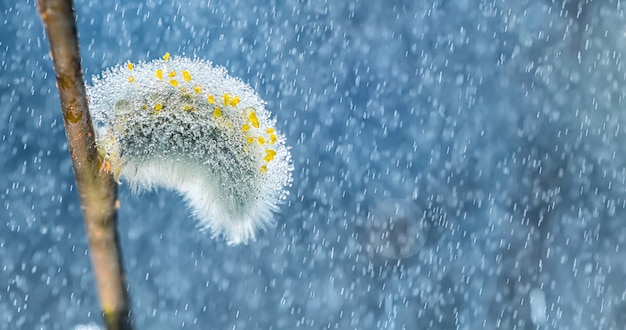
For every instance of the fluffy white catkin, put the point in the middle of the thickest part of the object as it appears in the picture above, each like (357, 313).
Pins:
(186, 125)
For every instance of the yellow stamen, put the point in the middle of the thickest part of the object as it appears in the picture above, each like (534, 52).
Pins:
(211, 99)
(235, 101)
(217, 112)
(273, 138)
(269, 130)
(158, 107)
(130, 66)
(261, 140)
(166, 57)
(269, 155)
(131, 79)
(174, 82)
(245, 128)
(197, 89)
(171, 74)
(159, 74)
(186, 76)
(250, 140)
(263, 169)
(253, 119)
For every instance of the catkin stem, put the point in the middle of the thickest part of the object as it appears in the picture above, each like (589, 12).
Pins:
(97, 189)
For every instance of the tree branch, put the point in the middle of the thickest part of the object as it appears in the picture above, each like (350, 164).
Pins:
(97, 189)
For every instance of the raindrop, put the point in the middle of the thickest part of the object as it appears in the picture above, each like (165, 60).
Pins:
(395, 229)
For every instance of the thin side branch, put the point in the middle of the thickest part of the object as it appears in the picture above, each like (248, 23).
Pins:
(98, 190)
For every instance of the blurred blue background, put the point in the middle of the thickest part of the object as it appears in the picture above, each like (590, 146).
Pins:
(458, 165)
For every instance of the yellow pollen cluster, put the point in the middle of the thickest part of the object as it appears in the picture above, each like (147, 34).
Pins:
(253, 119)
(269, 155)
(269, 137)
(229, 100)
(157, 108)
(186, 76)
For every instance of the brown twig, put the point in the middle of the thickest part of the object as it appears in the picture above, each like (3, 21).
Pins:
(98, 190)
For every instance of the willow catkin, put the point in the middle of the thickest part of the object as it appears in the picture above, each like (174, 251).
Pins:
(186, 125)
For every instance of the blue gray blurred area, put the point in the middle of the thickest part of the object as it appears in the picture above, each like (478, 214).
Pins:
(458, 165)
